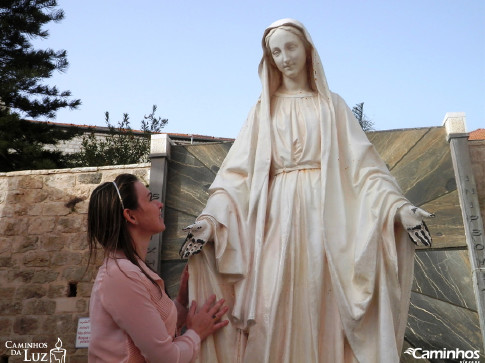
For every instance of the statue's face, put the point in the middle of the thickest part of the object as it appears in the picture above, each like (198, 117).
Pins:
(288, 53)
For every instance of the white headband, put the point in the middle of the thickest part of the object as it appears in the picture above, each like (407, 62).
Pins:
(119, 195)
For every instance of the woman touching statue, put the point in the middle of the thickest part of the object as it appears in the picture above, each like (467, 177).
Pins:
(307, 228)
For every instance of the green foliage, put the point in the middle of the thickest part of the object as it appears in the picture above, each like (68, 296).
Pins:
(22, 144)
(121, 145)
(22, 68)
(365, 123)
(22, 94)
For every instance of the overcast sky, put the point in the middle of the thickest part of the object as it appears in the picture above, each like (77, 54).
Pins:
(410, 62)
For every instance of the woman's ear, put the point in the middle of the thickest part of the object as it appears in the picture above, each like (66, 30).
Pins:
(129, 216)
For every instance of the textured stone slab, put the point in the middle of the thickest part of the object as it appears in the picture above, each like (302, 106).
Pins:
(447, 227)
(174, 236)
(393, 145)
(426, 171)
(445, 275)
(434, 325)
(211, 155)
(187, 182)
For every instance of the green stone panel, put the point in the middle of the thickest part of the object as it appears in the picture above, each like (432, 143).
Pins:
(426, 171)
(447, 227)
(393, 145)
(187, 182)
(434, 325)
(211, 155)
(174, 236)
(446, 276)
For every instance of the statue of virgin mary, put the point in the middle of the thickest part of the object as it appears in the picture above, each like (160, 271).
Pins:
(307, 228)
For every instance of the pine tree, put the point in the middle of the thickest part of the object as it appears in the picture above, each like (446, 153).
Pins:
(22, 93)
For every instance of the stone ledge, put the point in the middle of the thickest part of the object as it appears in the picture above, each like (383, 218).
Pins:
(74, 170)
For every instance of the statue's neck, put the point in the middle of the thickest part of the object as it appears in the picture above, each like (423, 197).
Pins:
(296, 85)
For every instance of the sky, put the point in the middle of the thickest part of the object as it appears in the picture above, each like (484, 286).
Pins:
(410, 62)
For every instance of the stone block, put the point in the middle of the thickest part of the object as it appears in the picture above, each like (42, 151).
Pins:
(5, 261)
(39, 307)
(30, 291)
(7, 292)
(13, 226)
(84, 289)
(53, 242)
(5, 325)
(91, 178)
(82, 207)
(23, 244)
(66, 305)
(60, 181)
(56, 291)
(30, 182)
(14, 196)
(5, 245)
(35, 196)
(56, 195)
(27, 209)
(36, 259)
(55, 209)
(41, 225)
(24, 325)
(45, 276)
(76, 273)
(60, 323)
(64, 258)
(20, 276)
(10, 307)
(7, 210)
(78, 242)
(82, 306)
(69, 224)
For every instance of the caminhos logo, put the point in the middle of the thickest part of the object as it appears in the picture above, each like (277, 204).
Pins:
(465, 356)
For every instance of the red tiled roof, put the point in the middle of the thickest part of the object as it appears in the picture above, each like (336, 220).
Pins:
(478, 134)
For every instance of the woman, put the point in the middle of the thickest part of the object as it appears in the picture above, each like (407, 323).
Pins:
(302, 214)
(132, 318)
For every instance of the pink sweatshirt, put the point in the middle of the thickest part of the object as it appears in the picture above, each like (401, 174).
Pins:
(132, 322)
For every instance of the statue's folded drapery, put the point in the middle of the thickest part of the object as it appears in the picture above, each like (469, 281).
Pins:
(306, 251)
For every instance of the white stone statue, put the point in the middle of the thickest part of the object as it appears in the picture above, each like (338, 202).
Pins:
(307, 227)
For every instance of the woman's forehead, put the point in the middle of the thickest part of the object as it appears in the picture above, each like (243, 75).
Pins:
(141, 189)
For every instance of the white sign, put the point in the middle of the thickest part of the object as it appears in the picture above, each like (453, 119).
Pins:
(83, 333)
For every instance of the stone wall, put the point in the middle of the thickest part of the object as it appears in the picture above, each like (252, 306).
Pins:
(44, 288)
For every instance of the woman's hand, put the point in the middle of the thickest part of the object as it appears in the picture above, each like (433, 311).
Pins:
(207, 320)
(411, 218)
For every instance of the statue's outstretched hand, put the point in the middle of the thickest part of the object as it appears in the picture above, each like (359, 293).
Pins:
(411, 218)
(197, 236)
